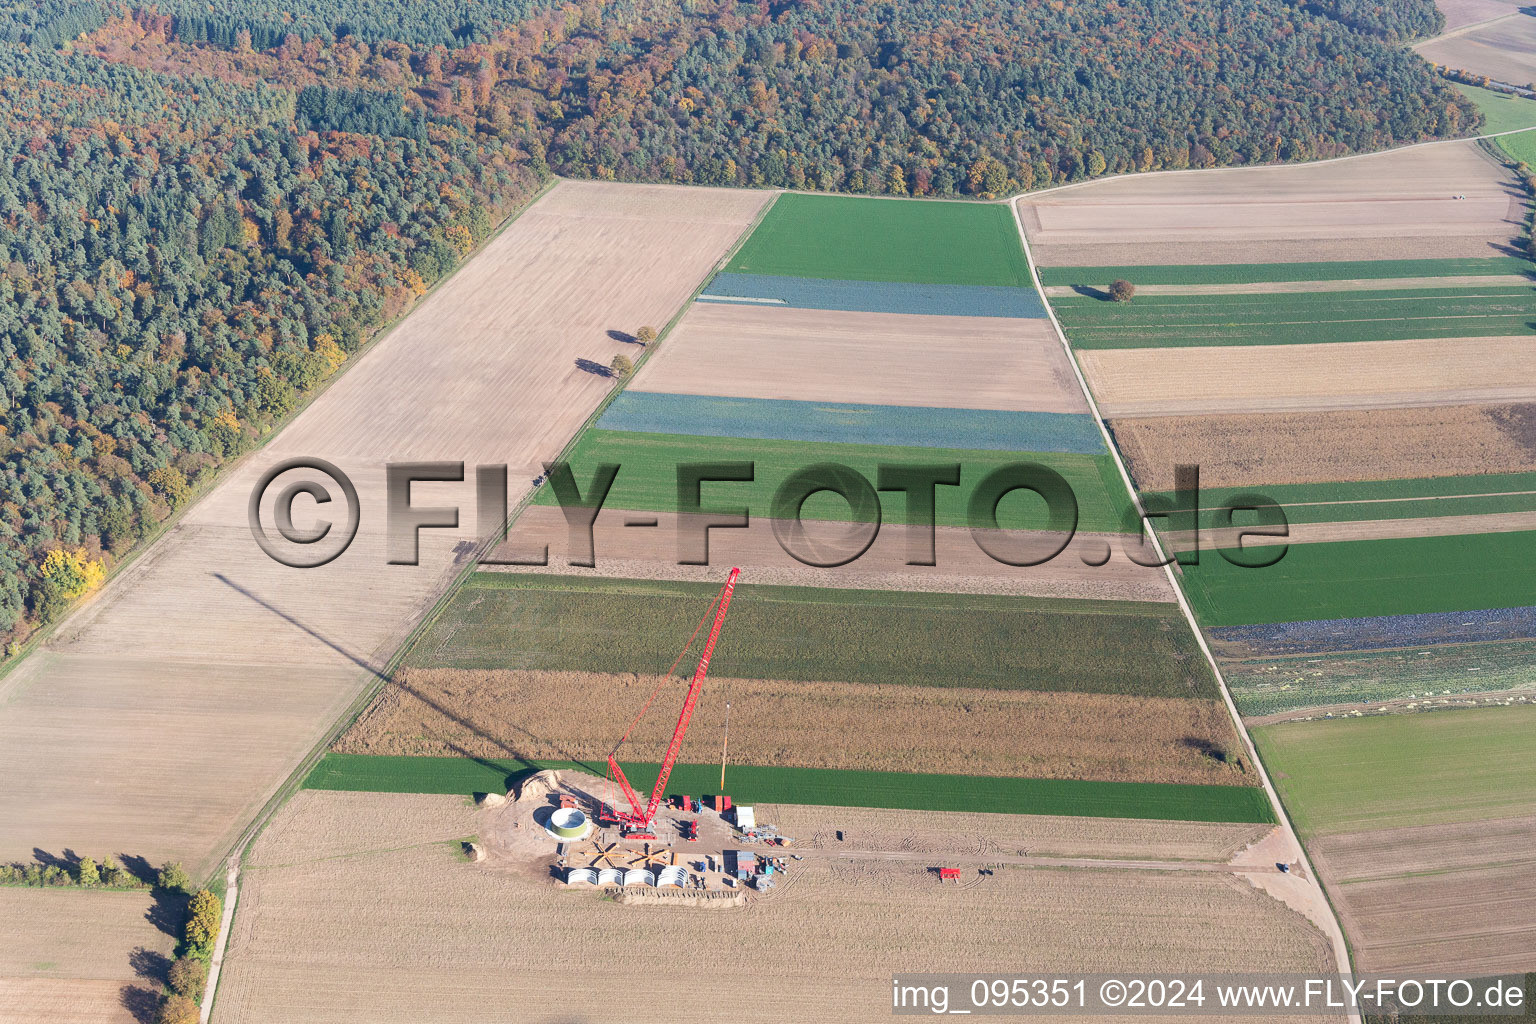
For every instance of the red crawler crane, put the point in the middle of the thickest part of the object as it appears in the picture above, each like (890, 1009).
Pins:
(638, 821)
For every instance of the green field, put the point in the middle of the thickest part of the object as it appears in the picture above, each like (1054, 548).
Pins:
(1502, 112)
(1262, 273)
(856, 239)
(521, 621)
(1356, 501)
(1297, 318)
(647, 478)
(1387, 771)
(1266, 686)
(1521, 148)
(821, 787)
(1356, 579)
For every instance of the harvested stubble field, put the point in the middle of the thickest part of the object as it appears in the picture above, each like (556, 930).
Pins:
(1200, 381)
(420, 935)
(960, 565)
(547, 715)
(517, 621)
(858, 239)
(1420, 825)
(194, 682)
(1386, 206)
(1503, 49)
(1438, 897)
(895, 359)
(82, 957)
(1269, 449)
(1041, 835)
(752, 784)
(649, 474)
(1289, 318)
(1367, 578)
(1271, 685)
(1293, 273)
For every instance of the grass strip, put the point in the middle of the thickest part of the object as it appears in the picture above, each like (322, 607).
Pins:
(1264, 273)
(819, 787)
(648, 474)
(1365, 578)
(1298, 318)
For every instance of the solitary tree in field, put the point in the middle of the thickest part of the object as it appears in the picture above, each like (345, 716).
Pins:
(1122, 290)
(621, 366)
(645, 335)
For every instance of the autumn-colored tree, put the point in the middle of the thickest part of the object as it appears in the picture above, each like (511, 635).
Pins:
(177, 1009)
(1122, 290)
(174, 877)
(202, 930)
(645, 335)
(188, 977)
(621, 366)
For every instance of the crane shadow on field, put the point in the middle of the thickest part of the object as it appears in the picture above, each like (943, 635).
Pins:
(404, 686)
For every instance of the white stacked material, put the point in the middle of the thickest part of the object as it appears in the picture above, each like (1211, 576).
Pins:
(610, 876)
(676, 875)
(581, 876)
(639, 876)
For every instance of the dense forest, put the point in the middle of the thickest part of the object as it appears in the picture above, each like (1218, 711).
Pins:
(207, 207)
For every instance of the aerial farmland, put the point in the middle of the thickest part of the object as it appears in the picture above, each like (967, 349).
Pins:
(744, 512)
(1365, 372)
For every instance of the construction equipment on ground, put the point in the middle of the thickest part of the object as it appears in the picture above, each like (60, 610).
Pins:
(637, 822)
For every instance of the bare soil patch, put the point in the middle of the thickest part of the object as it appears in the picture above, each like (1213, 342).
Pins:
(961, 566)
(1433, 897)
(1461, 13)
(421, 935)
(193, 684)
(1395, 205)
(1293, 448)
(579, 715)
(876, 358)
(1304, 378)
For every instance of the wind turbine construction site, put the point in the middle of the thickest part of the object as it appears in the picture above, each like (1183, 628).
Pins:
(602, 833)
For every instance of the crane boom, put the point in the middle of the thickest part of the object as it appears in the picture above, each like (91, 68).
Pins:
(645, 817)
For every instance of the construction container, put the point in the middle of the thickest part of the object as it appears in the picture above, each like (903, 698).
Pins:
(744, 817)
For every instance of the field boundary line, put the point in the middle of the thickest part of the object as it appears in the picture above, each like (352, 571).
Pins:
(383, 676)
(1338, 939)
